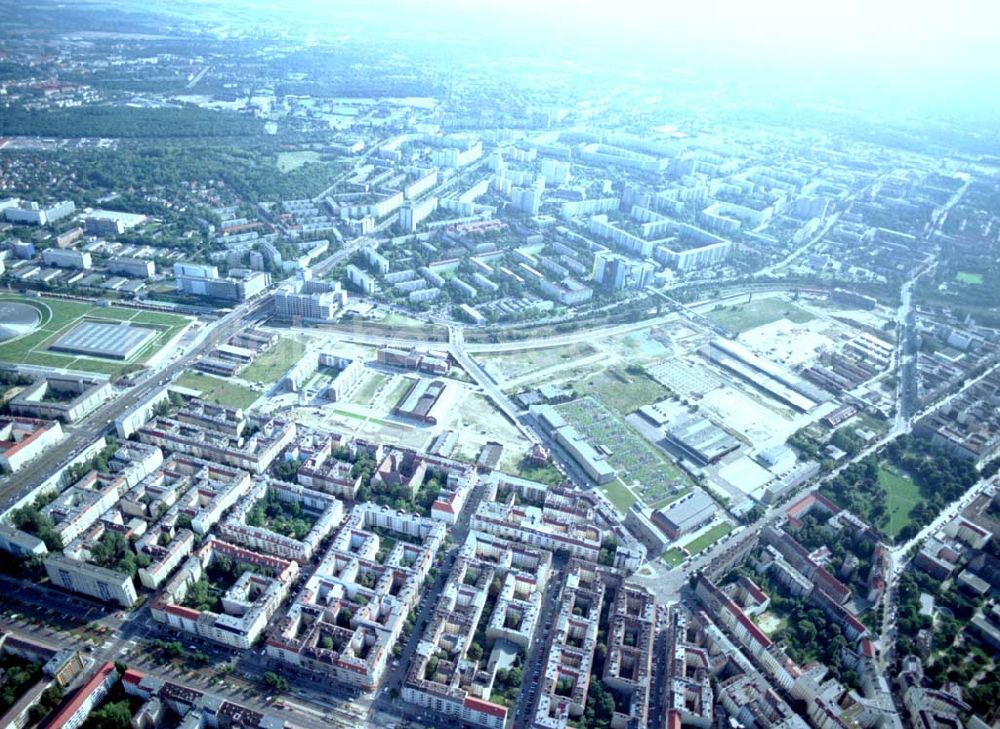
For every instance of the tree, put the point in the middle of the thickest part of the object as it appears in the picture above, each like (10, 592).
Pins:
(115, 715)
(275, 681)
(326, 642)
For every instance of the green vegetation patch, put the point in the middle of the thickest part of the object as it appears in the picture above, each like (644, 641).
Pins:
(902, 495)
(969, 278)
(288, 161)
(18, 677)
(622, 390)
(287, 518)
(619, 495)
(128, 121)
(743, 317)
(215, 389)
(366, 392)
(701, 543)
(896, 505)
(547, 474)
(673, 557)
(270, 366)
(398, 389)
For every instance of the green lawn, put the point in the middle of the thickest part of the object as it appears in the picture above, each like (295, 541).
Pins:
(547, 474)
(706, 540)
(743, 317)
(275, 362)
(621, 391)
(673, 557)
(218, 390)
(288, 161)
(969, 278)
(364, 394)
(59, 316)
(377, 421)
(620, 495)
(399, 388)
(901, 496)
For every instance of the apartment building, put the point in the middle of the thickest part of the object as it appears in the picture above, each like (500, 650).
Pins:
(328, 511)
(22, 439)
(247, 605)
(254, 454)
(342, 626)
(567, 666)
(454, 676)
(78, 576)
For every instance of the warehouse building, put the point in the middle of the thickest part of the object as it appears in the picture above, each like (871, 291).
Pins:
(700, 440)
(685, 515)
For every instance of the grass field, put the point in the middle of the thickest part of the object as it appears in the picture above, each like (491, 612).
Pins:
(367, 419)
(364, 394)
(901, 496)
(271, 365)
(547, 474)
(621, 391)
(398, 389)
(512, 365)
(288, 161)
(743, 317)
(969, 278)
(59, 316)
(215, 389)
(706, 540)
(673, 557)
(619, 495)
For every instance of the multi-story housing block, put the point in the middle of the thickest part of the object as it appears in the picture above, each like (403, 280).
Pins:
(454, 676)
(254, 454)
(328, 511)
(245, 607)
(567, 666)
(344, 623)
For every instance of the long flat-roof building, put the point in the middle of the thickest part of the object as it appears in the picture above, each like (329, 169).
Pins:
(102, 339)
(583, 453)
(59, 397)
(421, 400)
(700, 440)
(104, 584)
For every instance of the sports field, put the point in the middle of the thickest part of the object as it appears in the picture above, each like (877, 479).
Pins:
(59, 316)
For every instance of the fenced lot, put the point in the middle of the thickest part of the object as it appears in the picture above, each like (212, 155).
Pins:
(651, 476)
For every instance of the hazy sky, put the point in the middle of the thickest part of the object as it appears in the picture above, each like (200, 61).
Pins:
(936, 48)
(929, 52)
(898, 32)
